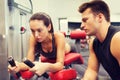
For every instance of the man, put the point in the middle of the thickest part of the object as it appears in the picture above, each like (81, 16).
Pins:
(105, 48)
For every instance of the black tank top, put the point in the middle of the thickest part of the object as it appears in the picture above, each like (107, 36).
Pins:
(50, 55)
(103, 53)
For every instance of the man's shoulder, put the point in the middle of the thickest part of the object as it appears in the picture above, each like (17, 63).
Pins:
(116, 39)
(116, 35)
(117, 32)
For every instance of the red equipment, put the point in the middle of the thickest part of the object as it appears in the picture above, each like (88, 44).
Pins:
(76, 34)
(66, 74)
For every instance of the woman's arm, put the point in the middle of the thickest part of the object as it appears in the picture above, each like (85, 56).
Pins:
(30, 56)
(60, 44)
(31, 50)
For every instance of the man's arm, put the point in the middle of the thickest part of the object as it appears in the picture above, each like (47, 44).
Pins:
(115, 46)
(93, 65)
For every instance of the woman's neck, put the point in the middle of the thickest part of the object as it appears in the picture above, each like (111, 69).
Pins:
(47, 40)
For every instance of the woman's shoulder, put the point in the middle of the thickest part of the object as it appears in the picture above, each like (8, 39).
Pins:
(59, 34)
(32, 39)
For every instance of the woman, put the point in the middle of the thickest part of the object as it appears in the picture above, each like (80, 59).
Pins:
(44, 41)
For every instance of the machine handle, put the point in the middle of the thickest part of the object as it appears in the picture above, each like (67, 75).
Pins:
(12, 63)
(30, 64)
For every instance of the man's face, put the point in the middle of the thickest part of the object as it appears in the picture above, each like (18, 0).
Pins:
(89, 22)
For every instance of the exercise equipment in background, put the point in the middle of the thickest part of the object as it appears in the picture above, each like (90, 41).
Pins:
(76, 34)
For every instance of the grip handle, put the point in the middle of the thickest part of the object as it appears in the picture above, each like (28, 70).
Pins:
(30, 64)
(12, 63)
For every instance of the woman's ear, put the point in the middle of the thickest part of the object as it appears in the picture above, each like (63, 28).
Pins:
(49, 27)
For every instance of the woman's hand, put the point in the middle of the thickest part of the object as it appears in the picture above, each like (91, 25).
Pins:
(14, 69)
(39, 68)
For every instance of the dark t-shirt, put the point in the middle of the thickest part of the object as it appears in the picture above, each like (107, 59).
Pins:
(104, 55)
(50, 55)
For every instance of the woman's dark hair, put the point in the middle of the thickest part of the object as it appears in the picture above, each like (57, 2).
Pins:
(44, 17)
(96, 6)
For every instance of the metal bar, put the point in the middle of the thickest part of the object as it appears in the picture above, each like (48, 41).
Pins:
(3, 48)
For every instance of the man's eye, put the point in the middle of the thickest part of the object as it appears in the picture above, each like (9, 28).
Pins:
(84, 19)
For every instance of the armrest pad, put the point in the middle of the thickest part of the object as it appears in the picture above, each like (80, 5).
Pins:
(26, 74)
(69, 58)
(73, 57)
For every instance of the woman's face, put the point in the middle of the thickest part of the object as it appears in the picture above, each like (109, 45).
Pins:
(39, 30)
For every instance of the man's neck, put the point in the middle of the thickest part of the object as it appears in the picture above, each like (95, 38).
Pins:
(102, 32)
